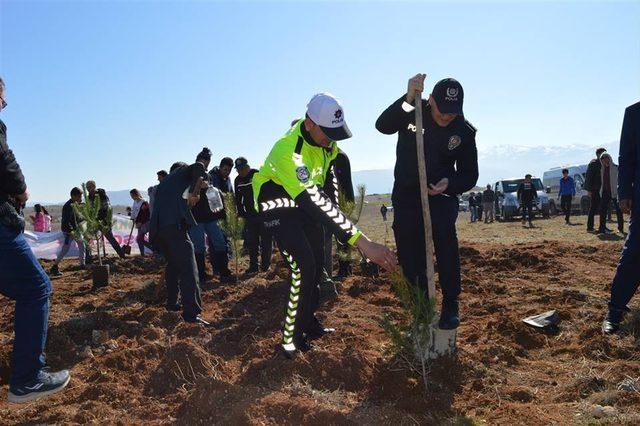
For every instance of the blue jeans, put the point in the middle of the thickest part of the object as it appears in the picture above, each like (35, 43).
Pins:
(214, 235)
(627, 278)
(22, 279)
(474, 213)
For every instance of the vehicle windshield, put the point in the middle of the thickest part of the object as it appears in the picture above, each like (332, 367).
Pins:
(512, 185)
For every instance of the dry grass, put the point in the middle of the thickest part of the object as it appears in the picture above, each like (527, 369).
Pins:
(513, 232)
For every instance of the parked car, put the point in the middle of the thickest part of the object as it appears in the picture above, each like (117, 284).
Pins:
(551, 181)
(507, 204)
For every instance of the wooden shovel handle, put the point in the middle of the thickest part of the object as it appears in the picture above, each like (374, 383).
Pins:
(424, 197)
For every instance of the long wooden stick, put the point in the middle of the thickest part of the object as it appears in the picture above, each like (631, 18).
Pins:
(424, 196)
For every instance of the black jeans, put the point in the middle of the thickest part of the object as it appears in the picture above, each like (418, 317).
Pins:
(565, 205)
(604, 209)
(408, 229)
(114, 243)
(258, 239)
(181, 273)
(301, 241)
(625, 282)
(593, 208)
(527, 211)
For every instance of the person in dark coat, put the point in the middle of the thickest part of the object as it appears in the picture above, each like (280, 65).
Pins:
(383, 212)
(527, 195)
(593, 183)
(23, 280)
(627, 277)
(452, 168)
(169, 226)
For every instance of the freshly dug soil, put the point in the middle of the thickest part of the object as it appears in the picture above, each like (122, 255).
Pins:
(146, 366)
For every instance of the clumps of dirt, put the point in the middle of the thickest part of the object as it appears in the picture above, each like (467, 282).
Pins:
(520, 333)
(357, 286)
(214, 401)
(282, 409)
(514, 259)
(182, 364)
(582, 387)
(331, 370)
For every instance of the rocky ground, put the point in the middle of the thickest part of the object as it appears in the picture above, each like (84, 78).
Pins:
(133, 362)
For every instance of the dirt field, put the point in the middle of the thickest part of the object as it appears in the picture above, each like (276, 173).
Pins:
(133, 362)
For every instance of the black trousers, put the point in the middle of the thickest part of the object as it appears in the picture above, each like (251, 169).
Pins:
(625, 282)
(565, 205)
(604, 210)
(258, 240)
(408, 228)
(114, 243)
(301, 242)
(181, 273)
(593, 208)
(527, 211)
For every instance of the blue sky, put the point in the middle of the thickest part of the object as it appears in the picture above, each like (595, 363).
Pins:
(118, 90)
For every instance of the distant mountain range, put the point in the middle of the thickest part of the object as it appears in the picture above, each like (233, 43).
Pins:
(500, 162)
(496, 162)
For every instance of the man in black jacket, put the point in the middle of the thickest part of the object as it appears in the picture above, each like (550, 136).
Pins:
(256, 234)
(625, 282)
(102, 214)
(169, 230)
(452, 168)
(69, 223)
(593, 183)
(527, 195)
(23, 280)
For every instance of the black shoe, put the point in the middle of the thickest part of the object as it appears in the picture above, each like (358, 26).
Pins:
(301, 344)
(605, 231)
(55, 271)
(449, 317)
(611, 323)
(591, 230)
(45, 384)
(198, 320)
(318, 331)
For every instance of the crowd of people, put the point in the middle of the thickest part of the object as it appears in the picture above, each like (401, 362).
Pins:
(293, 202)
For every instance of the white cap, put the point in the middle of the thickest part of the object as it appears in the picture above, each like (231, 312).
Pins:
(326, 111)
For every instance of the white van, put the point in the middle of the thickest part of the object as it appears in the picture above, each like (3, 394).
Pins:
(551, 181)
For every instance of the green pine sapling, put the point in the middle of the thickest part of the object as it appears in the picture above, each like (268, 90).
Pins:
(232, 225)
(91, 228)
(411, 334)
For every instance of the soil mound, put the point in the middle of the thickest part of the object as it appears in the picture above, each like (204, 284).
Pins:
(182, 364)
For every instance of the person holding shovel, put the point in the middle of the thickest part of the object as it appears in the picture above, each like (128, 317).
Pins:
(452, 168)
(292, 205)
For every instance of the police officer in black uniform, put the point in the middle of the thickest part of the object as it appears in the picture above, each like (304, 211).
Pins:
(452, 168)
